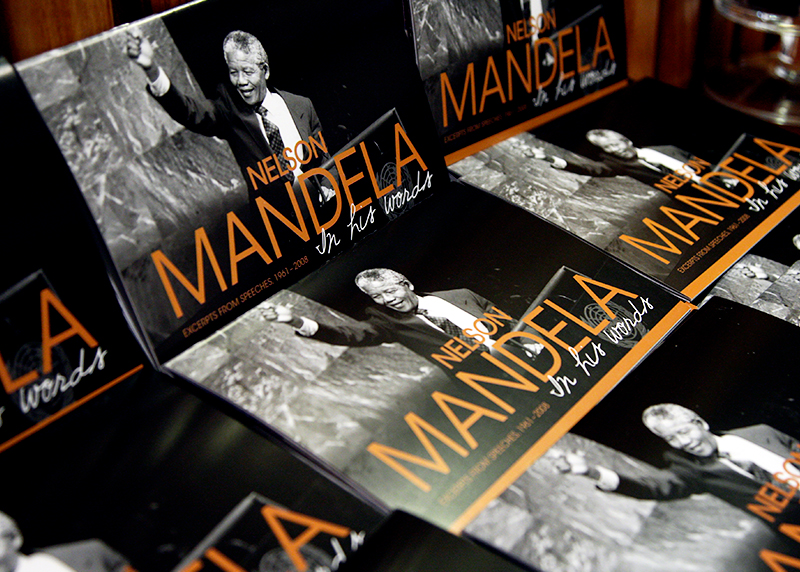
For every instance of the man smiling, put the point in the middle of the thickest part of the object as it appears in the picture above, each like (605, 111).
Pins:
(258, 122)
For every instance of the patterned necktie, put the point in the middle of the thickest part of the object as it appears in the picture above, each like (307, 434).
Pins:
(275, 141)
(446, 326)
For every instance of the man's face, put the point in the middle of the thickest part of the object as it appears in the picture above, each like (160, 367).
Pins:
(397, 296)
(247, 75)
(10, 543)
(691, 436)
(615, 144)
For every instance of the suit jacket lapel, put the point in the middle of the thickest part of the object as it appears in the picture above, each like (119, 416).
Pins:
(298, 114)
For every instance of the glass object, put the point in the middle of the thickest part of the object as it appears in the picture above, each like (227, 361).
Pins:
(753, 58)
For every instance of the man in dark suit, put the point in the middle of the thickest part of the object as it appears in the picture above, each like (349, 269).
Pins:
(421, 322)
(258, 122)
(733, 465)
(619, 157)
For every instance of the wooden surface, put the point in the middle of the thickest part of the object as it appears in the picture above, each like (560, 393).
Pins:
(679, 30)
(35, 26)
(641, 23)
(30, 27)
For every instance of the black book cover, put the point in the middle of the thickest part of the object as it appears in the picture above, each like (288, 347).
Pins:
(405, 543)
(429, 420)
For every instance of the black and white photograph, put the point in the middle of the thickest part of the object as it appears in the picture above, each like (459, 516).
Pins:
(64, 337)
(745, 281)
(85, 555)
(684, 461)
(782, 299)
(448, 33)
(220, 150)
(763, 284)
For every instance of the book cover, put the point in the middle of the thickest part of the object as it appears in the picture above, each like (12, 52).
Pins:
(434, 361)
(243, 540)
(64, 338)
(493, 68)
(692, 460)
(678, 187)
(226, 150)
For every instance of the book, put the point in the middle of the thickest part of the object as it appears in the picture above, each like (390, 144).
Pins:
(693, 484)
(427, 421)
(201, 216)
(548, 319)
(674, 185)
(110, 463)
(58, 349)
(493, 68)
